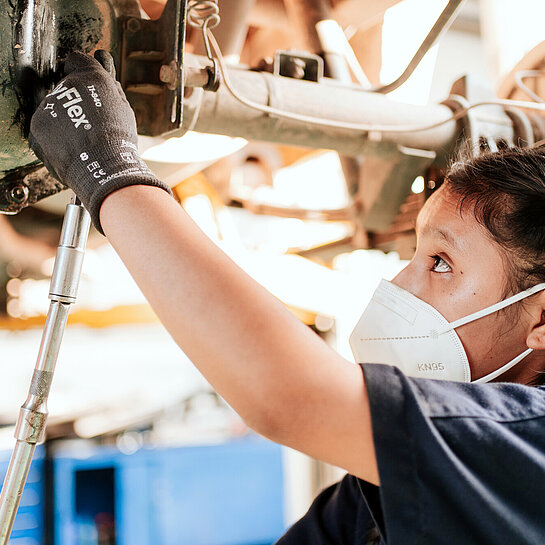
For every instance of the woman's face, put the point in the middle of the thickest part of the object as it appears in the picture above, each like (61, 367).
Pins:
(459, 269)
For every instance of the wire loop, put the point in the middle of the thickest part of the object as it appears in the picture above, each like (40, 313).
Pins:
(203, 14)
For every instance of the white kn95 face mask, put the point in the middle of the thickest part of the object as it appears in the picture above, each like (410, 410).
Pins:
(397, 328)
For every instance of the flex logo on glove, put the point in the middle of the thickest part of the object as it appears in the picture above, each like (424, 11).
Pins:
(70, 99)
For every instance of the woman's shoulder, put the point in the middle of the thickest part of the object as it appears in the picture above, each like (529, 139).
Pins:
(501, 402)
(479, 448)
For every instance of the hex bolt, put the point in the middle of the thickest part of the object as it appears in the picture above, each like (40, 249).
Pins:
(18, 194)
(168, 74)
(133, 24)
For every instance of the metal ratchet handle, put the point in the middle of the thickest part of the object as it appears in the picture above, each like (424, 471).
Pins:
(31, 423)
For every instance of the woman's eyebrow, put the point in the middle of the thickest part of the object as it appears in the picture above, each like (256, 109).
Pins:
(444, 234)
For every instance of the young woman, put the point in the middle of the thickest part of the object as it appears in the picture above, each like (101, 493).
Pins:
(430, 461)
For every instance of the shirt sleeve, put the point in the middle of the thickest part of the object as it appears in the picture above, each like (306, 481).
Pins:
(338, 516)
(458, 462)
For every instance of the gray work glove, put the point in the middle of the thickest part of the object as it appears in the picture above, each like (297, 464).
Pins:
(84, 131)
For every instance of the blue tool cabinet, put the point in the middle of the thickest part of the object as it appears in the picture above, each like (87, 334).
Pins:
(28, 528)
(224, 494)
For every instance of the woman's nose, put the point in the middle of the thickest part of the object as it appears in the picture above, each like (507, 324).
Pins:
(408, 279)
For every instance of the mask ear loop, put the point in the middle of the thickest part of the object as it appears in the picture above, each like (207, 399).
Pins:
(490, 310)
(493, 308)
(503, 368)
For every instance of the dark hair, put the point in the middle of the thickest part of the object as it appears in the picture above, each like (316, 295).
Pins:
(506, 189)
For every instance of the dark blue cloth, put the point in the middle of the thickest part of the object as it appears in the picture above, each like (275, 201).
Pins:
(459, 464)
(338, 516)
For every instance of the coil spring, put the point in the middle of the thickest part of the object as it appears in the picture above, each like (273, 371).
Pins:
(203, 14)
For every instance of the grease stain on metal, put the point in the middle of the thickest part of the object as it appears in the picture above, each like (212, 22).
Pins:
(35, 38)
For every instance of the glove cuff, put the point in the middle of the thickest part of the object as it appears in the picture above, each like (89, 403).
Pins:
(103, 169)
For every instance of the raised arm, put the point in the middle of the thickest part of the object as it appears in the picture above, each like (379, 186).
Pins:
(280, 377)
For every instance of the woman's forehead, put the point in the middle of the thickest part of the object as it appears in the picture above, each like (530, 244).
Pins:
(444, 219)
(442, 212)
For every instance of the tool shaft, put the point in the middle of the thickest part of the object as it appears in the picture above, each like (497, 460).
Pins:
(30, 429)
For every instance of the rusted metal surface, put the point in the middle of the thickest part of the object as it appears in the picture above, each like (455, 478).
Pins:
(16, 35)
(35, 39)
(151, 63)
(33, 182)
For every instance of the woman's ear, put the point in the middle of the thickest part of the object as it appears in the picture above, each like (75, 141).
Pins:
(536, 337)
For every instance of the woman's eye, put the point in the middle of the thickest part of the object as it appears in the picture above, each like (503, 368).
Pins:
(440, 265)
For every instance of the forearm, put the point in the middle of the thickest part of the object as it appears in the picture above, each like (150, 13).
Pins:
(271, 368)
(237, 333)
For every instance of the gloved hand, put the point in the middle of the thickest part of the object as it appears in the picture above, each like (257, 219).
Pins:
(84, 131)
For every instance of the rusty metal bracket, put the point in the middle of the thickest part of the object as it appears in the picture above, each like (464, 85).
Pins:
(151, 64)
(26, 185)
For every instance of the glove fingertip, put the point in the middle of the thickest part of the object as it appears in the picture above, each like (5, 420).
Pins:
(34, 146)
(106, 60)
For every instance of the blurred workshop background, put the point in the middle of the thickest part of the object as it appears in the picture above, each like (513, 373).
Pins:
(139, 448)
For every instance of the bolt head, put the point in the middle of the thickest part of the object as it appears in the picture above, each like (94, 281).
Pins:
(165, 73)
(19, 194)
(168, 73)
(133, 24)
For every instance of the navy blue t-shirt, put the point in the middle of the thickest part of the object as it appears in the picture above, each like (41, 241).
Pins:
(459, 464)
